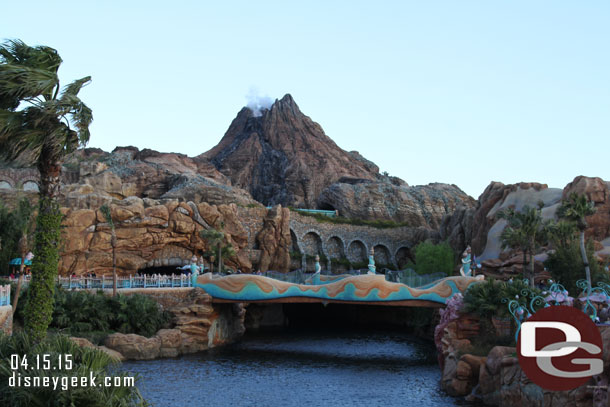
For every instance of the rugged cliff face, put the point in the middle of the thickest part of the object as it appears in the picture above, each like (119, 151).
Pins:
(284, 157)
(481, 227)
(422, 205)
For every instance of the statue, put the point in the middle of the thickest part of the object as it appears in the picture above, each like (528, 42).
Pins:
(465, 269)
(371, 262)
(316, 277)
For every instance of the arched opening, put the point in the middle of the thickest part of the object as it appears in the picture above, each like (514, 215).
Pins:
(30, 186)
(383, 258)
(294, 245)
(404, 257)
(312, 244)
(334, 248)
(356, 252)
(5, 185)
(325, 206)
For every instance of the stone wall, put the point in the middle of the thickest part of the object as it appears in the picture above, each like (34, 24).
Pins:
(6, 319)
(252, 219)
(24, 179)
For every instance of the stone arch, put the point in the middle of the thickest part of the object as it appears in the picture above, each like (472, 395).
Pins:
(403, 256)
(357, 251)
(30, 185)
(335, 247)
(294, 245)
(382, 255)
(6, 184)
(311, 243)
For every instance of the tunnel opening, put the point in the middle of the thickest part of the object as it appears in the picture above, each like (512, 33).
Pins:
(325, 206)
(340, 317)
(162, 270)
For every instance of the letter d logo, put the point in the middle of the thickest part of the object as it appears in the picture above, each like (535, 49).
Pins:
(555, 344)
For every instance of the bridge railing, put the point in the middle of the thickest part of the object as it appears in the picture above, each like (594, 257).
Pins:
(411, 278)
(5, 295)
(408, 276)
(106, 283)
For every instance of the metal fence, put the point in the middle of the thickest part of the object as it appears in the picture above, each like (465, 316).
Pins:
(5, 295)
(106, 283)
(408, 277)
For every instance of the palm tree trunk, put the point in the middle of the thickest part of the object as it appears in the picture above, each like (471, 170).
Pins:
(39, 308)
(219, 258)
(585, 260)
(532, 268)
(524, 261)
(19, 283)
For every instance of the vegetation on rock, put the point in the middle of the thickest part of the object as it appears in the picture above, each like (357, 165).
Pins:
(525, 230)
(95, 315)
(575, 209)
(339, 220)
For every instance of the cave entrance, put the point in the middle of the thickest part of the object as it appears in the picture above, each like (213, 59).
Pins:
(162, 270)
(325, 206)
(308, 316)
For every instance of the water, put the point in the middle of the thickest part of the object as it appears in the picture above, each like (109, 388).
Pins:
(300, 369)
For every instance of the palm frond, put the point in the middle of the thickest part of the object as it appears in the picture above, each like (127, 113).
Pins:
(18, 82)
(75, 87)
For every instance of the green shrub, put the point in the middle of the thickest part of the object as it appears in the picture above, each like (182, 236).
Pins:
(95, 315)
(379, 224)
(490, 298)
(566, 266)
(342, 261)
(85, 361)
(10, 231)
(434, 258)
(82, 312)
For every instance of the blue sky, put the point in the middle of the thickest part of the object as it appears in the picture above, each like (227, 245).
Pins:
(462, 92)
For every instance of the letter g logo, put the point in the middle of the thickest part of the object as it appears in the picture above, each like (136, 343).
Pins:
(554, 346)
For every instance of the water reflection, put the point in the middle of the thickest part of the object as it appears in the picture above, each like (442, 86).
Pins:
(300, 369)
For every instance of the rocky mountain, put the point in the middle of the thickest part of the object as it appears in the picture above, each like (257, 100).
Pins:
(284, 157)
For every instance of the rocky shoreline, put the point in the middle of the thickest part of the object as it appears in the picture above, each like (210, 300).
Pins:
(497, 379)
(198, 325)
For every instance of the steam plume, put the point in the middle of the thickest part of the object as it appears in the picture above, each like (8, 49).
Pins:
(257, 102)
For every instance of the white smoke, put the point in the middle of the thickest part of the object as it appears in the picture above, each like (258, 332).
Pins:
(257, 102)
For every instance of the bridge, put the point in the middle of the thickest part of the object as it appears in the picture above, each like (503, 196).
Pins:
(342, 289)
(369, 289)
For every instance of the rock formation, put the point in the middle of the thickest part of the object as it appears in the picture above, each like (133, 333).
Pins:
(198, 325)
(481, 227)
(597, 191)
(274, 240)
(150, 233)
(422, 205)
(284, 157)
